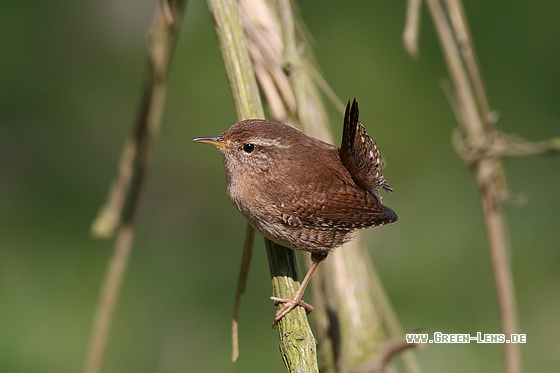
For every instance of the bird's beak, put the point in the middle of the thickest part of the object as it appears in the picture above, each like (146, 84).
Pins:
(217, 141)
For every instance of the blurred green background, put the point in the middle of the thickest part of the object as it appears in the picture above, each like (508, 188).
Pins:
(70, 80)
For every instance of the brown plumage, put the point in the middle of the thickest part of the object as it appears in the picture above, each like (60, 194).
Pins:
(359, 153)
(301, 192)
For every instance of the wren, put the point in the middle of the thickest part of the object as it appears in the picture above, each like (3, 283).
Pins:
(301, 192)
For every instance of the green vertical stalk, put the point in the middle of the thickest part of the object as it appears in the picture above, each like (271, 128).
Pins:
(297, 344)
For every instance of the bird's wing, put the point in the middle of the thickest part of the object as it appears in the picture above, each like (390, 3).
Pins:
(343, 207)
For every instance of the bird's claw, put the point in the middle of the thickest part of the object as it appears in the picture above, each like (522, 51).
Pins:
(289, 305)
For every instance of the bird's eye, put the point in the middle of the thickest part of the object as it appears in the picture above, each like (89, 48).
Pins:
(248, 148)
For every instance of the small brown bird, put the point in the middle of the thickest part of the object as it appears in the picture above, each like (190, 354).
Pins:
(301, 192)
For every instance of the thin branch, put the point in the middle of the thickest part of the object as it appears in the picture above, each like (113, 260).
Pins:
(503, 146)
(487, 170)
(292, 84)
(412, 27)
(464, 95)
(134, 165)
(297, 343)
(241, 283)
(499, 252)
(383, 357)
(109, 297)
(484, 147)
(239, 69)
(457, 18)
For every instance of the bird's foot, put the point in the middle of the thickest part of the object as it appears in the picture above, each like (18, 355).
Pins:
(289, 305)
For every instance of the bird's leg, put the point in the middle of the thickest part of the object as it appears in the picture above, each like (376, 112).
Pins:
(291, 303)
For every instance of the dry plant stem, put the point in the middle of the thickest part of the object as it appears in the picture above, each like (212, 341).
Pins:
(466, 101)
(474, 112)
(499, 252)
(297, 300)
(412, 27)
(136, 153)
(108, 218)
(299, 344)
(463, 38)
(108, 302)
(134, 165)
(285, 68)
(294, 327)
(383, 358)
(503, 146)
(356, 316)
(238, 66)
(241, 283)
